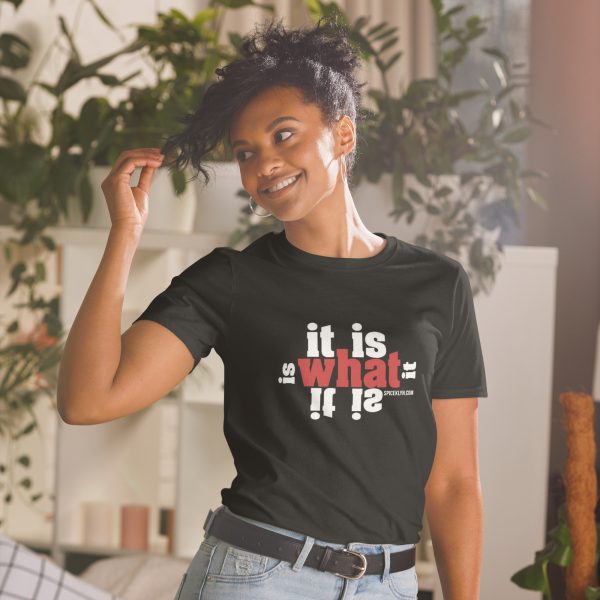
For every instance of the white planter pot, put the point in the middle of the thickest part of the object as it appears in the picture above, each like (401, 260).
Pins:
(218, 205)
(167, 211)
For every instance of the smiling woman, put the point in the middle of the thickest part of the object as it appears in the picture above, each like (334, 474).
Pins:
(335, 340)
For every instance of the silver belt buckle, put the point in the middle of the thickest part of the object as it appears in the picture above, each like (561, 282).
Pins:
(362, 567)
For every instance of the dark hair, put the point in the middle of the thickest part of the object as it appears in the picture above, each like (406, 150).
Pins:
(318, 61)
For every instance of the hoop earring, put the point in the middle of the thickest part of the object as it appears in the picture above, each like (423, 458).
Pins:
(250, 202)
(343, 167)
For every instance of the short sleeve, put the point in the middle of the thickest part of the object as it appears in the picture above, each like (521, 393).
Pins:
(459, 370)
(196, 304)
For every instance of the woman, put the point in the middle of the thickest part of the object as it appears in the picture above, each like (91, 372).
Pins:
(335, 339)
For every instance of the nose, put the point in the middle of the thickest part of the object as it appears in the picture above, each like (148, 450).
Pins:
(268, 163)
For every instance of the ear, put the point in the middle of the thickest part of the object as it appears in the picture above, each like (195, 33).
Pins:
(345, 136)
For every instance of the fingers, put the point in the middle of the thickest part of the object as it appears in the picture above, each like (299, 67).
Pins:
(146, 177)
(128, 160)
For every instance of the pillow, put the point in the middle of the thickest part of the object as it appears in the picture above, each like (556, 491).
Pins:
(138, 576)
(27, 575)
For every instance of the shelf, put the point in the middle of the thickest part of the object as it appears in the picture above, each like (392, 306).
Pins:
(88, 236)
(106, 550)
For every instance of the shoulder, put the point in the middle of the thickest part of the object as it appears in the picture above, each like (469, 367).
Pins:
(214, 268)
(444, 268)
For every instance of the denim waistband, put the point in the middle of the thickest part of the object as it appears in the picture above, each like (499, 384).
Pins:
(363, 547)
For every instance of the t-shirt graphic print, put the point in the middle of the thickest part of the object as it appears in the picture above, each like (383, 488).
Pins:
(365, 369)
(331, 365)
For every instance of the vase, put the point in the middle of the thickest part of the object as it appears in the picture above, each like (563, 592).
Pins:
(97, 523)
(218, 203)
(134, 526)
(167, 212)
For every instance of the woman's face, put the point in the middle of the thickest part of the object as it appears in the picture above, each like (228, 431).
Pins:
(269, 149)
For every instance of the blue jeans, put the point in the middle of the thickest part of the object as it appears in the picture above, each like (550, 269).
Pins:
(220, 571)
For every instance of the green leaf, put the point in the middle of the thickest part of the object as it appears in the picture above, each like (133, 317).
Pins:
(535, 197)
(179, 182)
(498, 54)
(517, 135)
(63, 174)
(443, 191)
(102, 16)
(388, 44)
(23, 171)
(455, 10)
(532, 577)
(74, 71)
(423, 179)
(86, 197)
(40, 271)
(11, 89)
(361, 21)
(67, 33)
(109, 80)
(89, 119)
(28, 429)
(204, 16)
(24, 460)
(373, 30)
(592, 593)
(242, 3)
(392, 60)
(48, 242)
(384, 34)
(473, 21)
(15, 52)
(415, 196)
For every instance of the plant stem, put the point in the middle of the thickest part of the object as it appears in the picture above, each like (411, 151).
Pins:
(547, 581)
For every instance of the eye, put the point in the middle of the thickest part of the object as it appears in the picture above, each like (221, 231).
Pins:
(238, 155)
(284, 131)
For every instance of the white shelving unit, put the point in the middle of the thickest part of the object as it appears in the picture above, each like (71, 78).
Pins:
(121, 461)
(174, 453)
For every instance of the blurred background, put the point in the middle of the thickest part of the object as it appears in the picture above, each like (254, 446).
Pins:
(496, 103)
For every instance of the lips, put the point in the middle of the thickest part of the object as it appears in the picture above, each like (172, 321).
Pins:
(278, 181)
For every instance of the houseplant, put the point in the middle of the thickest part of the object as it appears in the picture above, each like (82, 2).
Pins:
(436, 164)
(37, 178)
(189, 51)
(183, 53)
(574, 542)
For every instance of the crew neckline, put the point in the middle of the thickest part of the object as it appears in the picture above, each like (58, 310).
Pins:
(318, 260)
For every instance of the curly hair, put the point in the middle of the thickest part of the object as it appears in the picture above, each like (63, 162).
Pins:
(318, 61)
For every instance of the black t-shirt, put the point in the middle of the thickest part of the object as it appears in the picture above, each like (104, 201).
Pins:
(330, 367)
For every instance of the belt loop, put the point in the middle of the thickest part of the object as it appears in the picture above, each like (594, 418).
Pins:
(209, 518)
(386, 562)
(306, 548)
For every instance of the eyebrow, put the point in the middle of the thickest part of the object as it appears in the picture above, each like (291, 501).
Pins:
(268, 128)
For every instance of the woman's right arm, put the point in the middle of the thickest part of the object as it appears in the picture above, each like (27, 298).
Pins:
(104, 375)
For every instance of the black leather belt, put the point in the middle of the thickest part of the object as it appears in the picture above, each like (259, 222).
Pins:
(346, 563)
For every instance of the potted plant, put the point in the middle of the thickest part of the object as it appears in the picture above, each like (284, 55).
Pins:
(557, 551)
(37, 179)
(189, 50)
(457, 183)
(182, 53)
